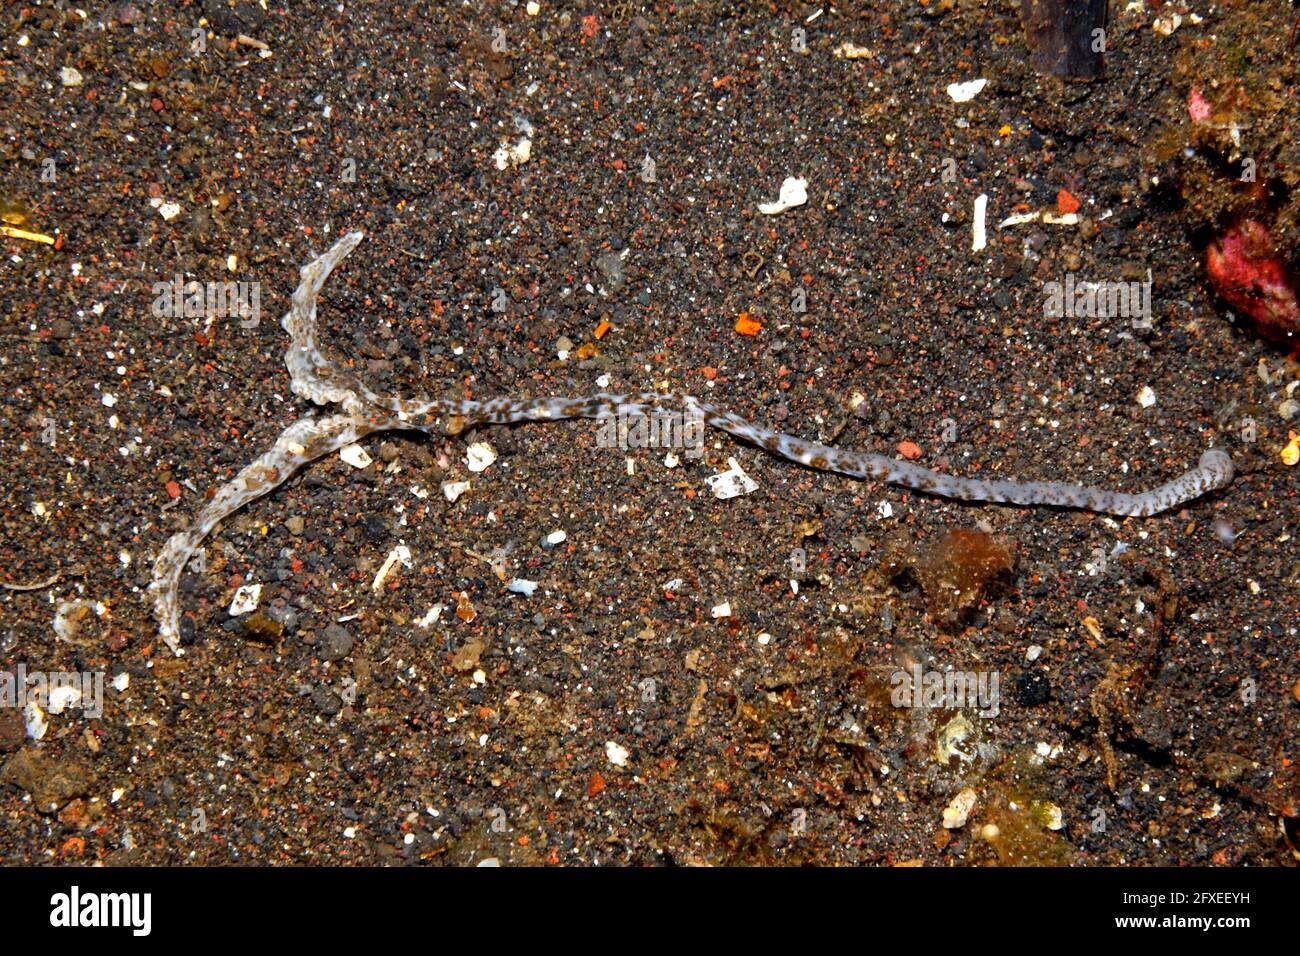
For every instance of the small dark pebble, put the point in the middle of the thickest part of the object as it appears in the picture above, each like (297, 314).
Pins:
(12, 732)
(1033, 689)
(52, 783)
(326, 701)
(335, 643)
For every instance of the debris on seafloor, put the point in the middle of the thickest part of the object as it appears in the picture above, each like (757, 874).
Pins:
(616, 753)
(13, 232)
(467, 655)
(958, 811)
(262, 628)
(1249, 275)
(465, 610)
(851, 51)
(1041, 215)
(1062, 36)
(454, 489)
(430, 617)
(356, 456)
(732, 482)
(13, 217)
(35, 586)
(1233, 157)
(947, 743)
(70, 615)
(910, 450)
(516, 155)
(1020, 836)
(246, 599)
(168, 210)
(1019, 819)
(979, 237)
(399, 555)
(1291, 453)
(794, 192)
(1166, 25)
(958, 572)
(479, 456)
(50, 782)
(965, 92)
(34, 720)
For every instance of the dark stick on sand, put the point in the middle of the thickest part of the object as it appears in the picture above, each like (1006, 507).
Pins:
(1063, 36)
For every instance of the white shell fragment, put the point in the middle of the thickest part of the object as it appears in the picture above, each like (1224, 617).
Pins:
(1165, 26)
(1146, 397)
(479, 456)
(70, 76)
(616, 753)
(63, 697)
(355, 456)
(965, 92)
(1020, 218)
(794, 192)
(515, 155)
(1065, 219)
(430, 616)
(454, 489)
(732, 482)
(246, 599)
(851, 51)
(522, 586)
(1040, 215)
(956, 813)
(34, 720)
(69, 615)
(401, 554)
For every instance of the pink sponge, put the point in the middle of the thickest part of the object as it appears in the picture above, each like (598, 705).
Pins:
(1249, 275)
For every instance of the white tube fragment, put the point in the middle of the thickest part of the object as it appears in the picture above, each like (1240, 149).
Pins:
(979, 238)
(401, 554)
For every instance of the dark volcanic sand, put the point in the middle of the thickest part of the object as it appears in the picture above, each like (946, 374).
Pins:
(381, 744)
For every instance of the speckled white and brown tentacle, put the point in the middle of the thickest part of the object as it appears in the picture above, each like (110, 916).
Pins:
(317, 379)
